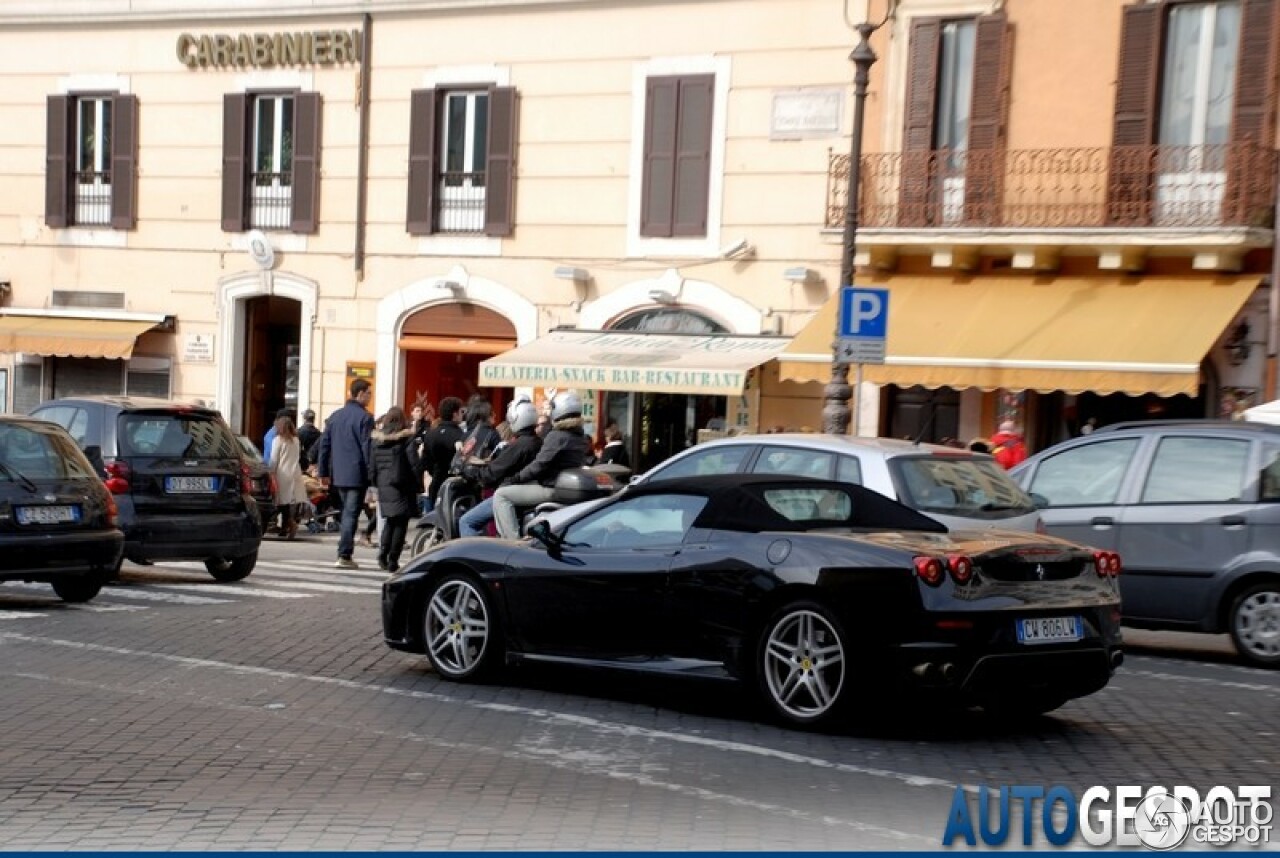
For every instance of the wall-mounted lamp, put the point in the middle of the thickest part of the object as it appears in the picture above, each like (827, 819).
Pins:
(738, 250)
(1237, 345)
(568, 272)
(800, 274)
(662, 296)
(459, 291)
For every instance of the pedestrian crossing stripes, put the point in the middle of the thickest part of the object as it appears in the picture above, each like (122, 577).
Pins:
(189, 584)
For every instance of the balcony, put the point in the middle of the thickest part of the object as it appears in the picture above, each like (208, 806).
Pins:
(1122, 204)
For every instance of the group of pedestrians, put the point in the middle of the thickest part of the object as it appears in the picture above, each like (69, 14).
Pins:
(354, 455)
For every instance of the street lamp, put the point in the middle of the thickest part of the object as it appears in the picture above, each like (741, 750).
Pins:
(837, 393)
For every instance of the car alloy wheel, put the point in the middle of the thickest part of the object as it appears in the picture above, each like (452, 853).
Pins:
(459, 628)
(1255, 624)
(803, 663)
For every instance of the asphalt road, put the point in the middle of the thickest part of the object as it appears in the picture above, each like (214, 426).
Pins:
(173, 712)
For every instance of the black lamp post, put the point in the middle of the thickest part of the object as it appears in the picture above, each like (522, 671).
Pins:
(837, 393)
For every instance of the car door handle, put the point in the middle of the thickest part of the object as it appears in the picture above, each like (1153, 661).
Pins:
(1102, 521)
(1233, 521)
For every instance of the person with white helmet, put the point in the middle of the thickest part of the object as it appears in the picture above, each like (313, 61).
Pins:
(523, 448)
(564, 447)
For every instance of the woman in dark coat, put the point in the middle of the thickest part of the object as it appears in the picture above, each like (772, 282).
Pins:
(392, 472)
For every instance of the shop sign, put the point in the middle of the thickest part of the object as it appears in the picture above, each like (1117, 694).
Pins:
(269, 50)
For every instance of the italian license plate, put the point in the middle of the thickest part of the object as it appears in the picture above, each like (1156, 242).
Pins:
(1049, 630)
(48, 514)
(190, 485)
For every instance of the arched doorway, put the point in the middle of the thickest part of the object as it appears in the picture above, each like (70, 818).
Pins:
(656, 426)
(443, 345)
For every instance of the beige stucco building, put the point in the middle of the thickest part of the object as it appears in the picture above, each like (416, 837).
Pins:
(253, 202)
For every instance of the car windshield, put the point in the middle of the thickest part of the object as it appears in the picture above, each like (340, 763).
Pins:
(191, 436)
(958, 486)
(34, 453)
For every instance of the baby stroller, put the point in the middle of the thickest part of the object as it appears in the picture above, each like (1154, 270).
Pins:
(323, 507)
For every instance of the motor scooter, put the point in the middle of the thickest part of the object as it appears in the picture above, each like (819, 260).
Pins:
(457, 496)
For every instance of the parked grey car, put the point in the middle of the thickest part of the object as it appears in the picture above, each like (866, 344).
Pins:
(962, 489)
(1192, 507)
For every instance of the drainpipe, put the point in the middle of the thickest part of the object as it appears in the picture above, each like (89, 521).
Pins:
(1269, 391)
(362, 153)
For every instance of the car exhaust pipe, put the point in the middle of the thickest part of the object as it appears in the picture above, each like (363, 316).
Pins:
(949, 672)
(926, 671)
(1117, 659)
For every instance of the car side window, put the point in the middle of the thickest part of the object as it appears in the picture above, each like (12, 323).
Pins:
(714, 460)
(1270, 482)
(794, 461)
(1197, 470)
(849, 470)
(74, 420)
(1088, 475)
(649, 521)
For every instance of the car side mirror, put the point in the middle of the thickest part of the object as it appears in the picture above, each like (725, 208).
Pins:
(541, 532)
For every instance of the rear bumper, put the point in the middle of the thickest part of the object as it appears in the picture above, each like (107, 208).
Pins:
(1066, 671)
(193, 537)
(46, 557)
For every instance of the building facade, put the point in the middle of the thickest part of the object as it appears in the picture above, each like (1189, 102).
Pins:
(250, 206)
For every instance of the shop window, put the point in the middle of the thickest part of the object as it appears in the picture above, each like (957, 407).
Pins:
(462, 161)
(65, 377)
(91, 160)
(271, 161)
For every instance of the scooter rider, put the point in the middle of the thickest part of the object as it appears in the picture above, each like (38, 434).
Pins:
(522, 417)
(564, 447)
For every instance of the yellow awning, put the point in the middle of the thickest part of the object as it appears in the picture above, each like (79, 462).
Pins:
(66, 337)
(1105, 334)
(715, 364)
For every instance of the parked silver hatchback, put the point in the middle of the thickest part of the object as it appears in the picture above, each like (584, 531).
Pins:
(1193, 507)
(962, 489)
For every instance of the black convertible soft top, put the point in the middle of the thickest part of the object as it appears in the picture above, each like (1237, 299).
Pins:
(737, 502)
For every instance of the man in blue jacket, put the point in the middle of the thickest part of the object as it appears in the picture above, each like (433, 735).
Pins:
(344, 464)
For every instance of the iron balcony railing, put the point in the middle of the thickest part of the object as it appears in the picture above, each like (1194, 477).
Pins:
(93, 197)
(1122, 186)
(460, 205)
(270, 200)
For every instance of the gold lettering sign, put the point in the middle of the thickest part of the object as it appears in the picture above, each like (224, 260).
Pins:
(267, 50)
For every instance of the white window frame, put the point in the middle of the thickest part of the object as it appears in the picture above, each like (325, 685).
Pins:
(454, 200)
(91, 235)
(955, 93)
(270, 198)
(93, 198)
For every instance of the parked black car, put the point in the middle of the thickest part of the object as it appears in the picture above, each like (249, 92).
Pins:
(58, 522)
(822, 593)
(262, 481)
(178, 477)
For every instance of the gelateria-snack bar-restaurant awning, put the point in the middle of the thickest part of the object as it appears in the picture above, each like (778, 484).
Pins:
(1135, 335)
(715, 364)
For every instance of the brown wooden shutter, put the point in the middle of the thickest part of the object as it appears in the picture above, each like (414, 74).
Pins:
(657, 198)
(235, 157)
(693, 156)
(916, 194)
(59, 130)
(984, 157)
(422, 150)
(500, 172)
(1253, 116)
(306, 162)
(1137, 88)
(124, 161)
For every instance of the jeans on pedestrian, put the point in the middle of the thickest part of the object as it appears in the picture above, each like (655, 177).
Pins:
(352, 503)
(394, 530)
(508, 498)
(475, 521)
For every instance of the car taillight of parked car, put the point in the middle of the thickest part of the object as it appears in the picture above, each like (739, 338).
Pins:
(118, 478)
(113, 512)
(1107, 564)
(246, 480)
(275, 487)
(932, 570)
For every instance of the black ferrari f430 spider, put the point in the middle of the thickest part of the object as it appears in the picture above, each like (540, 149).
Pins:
(824, 595)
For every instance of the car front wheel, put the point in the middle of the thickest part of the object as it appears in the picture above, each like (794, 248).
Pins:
(460, 629)
(78, 589)
(802, 664)
(236, 569)
(1255, 624)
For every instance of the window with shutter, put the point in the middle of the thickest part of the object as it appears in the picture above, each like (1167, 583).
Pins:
(91, 160)
(306, 163)
(918, 167)
(235, 161)
(124, 161)
(422, 147)
(59, 122)
(677, 156)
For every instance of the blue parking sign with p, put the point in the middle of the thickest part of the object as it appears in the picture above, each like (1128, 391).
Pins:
(864, 313)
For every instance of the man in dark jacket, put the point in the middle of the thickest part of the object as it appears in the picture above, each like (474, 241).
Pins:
(564, 447)
(343, 463)
(441, 444)
(308, 437)
(522, 417)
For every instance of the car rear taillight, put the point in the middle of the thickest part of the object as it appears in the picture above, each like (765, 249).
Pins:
(275, 487)
(960, 567)
(1106, 564)
(929, 570)
(246, 480)
(113, 512)
(118, 478)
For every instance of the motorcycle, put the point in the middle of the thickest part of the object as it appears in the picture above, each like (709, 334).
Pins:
(458, 495)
